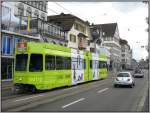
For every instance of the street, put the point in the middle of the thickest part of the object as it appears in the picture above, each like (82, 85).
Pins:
(93, 96)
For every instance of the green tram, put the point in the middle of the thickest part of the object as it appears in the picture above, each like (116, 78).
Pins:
(44, 66)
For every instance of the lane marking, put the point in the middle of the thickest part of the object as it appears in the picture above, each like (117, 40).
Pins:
(28, 98)
(100, 91)
(73, 103)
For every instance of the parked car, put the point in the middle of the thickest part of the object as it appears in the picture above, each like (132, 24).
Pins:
(125, 79)
(138, 73)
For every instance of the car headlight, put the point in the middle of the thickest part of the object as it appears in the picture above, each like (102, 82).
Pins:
(128, 79)
(117, 79)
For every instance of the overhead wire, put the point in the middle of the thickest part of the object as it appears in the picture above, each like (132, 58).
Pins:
(62, 7)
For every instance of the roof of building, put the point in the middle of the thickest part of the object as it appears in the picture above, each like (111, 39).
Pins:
(122, 41)
(65, 20)
(109, 29)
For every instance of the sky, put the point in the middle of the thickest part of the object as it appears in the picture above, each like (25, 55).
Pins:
(130, 17)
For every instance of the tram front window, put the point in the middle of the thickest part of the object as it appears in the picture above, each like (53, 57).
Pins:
(21, 62)
(36, 63)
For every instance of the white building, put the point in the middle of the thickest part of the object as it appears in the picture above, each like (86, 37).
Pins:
(110, 40)
(78, 31)
(28, 8)
(126, 54)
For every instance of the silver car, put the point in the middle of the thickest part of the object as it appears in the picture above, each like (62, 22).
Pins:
(124, 78)
(138, 73)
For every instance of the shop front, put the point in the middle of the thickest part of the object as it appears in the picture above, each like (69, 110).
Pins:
(7, 67)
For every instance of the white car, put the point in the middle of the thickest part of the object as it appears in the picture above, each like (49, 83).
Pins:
(124, 78)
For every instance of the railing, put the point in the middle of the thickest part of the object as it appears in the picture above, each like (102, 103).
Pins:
(33, 27)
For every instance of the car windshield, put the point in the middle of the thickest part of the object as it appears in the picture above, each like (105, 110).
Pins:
(137, 71)
(123, 75)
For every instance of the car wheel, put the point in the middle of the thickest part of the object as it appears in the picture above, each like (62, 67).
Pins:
(131, 86)
(33, 89)
(115, 85)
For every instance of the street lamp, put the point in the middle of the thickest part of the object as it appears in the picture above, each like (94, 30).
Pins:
(148, 19)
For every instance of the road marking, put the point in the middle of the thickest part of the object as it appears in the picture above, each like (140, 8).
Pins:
(100, 91)
(73, 102)
(28, 98)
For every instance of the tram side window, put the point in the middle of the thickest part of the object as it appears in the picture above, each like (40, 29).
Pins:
(105, 65)
(59, 63)
(49, 62)
(84, 63)
(67, 63)
(91, 63)
(21, 62)
(36, 63)
(102, 64)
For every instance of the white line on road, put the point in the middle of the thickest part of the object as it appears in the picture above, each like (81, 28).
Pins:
(28, 98)
(73, 102)
(100, 91)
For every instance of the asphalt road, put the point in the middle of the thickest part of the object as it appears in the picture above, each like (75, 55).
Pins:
(89, 97)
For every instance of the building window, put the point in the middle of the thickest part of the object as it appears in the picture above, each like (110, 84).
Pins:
(42, 16)
(79, 28)
(20, 9)
(36, 14)
(123, 60)
(45, 7)
(123, 55)
(29, 12)
(5, 10)
(123, 50)
(72, 38)
(7, 45)
(40, 5)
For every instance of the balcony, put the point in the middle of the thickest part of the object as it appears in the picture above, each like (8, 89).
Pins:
(36, 27)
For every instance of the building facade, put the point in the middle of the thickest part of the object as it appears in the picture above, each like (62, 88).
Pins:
(36, 9)
(110, 40)
(78, 31)
(126, 54)
(12, 15)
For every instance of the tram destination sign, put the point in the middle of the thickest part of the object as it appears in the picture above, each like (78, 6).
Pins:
(22, 46)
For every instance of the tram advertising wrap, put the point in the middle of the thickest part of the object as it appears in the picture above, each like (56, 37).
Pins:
(44, 66)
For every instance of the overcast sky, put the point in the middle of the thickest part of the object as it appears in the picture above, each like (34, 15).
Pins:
(130, 17)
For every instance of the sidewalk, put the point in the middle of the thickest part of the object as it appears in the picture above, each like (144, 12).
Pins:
(6, 84)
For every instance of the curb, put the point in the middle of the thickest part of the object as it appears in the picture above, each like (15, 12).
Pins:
(142, 100)
(6, 88)
(6, 80)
